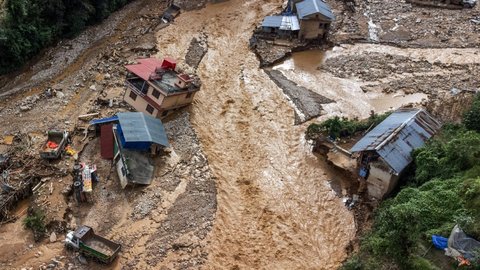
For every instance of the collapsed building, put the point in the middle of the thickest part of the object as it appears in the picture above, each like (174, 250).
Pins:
(131, 139)
(384, 152)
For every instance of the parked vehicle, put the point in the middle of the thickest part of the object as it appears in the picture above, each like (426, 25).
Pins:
(55, 144)
(91, 245)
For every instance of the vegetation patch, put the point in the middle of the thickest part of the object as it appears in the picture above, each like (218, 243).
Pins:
(337, 127)
(31, 25)
(35, 221)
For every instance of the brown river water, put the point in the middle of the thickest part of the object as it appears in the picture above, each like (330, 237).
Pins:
(275, 207)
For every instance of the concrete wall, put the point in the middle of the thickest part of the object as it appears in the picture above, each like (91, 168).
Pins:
(312, 29)
(380, 181)
(140, 104)
(176, 101)
(165, 102)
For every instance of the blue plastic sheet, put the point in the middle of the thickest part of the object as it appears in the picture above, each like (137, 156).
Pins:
(439, 242)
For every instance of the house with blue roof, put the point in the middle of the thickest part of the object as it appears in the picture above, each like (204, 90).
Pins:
(305, 19)
(384, 152)
(135, 138)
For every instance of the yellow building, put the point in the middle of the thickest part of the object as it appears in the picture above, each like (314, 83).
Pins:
(155, 87)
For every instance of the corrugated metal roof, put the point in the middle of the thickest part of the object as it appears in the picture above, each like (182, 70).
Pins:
(398, 135)
(272, 21)
(145, 67)
(139, 127)
(289, 23)
(309, 7)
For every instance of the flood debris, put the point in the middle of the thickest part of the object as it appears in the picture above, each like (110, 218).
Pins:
(171, 13)
(452, 4)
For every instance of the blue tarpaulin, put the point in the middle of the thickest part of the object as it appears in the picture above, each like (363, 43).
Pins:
(439, 242)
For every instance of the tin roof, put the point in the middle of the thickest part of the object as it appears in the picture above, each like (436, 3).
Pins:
(289, 23)
(309, 7)
(139, 127)
(145, 67)
(398, 135)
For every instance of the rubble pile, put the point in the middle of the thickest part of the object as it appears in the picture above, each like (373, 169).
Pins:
(403, 74)
(405, 24)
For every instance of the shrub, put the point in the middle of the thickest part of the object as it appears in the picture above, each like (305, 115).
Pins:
(471, 118)
(343, 127)
(35, 221)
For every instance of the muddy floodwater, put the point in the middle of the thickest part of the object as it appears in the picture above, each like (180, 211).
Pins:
(275, 207)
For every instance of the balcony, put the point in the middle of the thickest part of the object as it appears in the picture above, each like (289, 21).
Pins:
(138, 85)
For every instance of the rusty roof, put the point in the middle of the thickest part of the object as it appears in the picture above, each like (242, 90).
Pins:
(398, 135)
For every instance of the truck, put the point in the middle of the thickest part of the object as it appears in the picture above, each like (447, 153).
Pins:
(91, 245)
(454, 4)
(55, 144)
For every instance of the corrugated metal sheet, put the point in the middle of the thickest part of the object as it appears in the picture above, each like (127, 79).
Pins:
(138, 127)
(104, 120)
(106, 141)
(288, 23)
(272, 21)
(145, 67)
(398, 135)
(309, 7)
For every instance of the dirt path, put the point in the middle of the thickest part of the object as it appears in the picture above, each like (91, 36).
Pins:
(275, 208)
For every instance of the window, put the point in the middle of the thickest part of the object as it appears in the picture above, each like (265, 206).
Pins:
(133, 95)
(189, 95)
(150, 109)
(155, 93)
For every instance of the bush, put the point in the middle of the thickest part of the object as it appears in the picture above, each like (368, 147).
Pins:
(343, 127)
(446, 156)
(35, 221)
(471, 118)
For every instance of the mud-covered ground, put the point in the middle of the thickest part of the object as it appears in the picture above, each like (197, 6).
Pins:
(240, 187)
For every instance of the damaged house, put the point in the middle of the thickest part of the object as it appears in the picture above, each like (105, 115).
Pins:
(303, 19)
(131, 139)
(384, 152)
(156, 88)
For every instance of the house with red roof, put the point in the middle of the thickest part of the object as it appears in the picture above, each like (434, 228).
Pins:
(155, 87)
